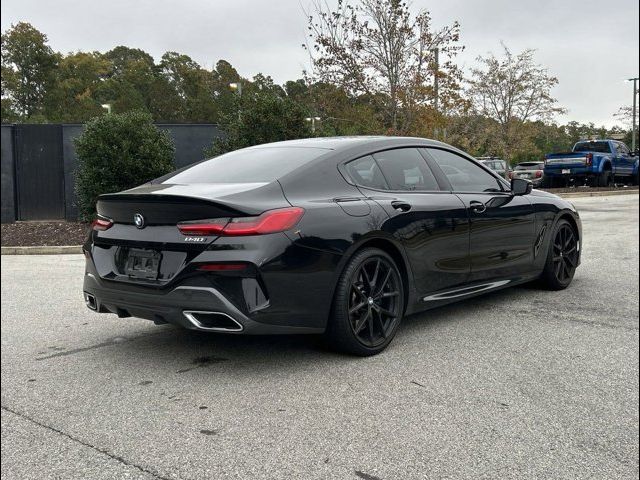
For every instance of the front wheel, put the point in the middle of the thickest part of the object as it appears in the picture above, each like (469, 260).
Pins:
(562, 258)
(368, 304)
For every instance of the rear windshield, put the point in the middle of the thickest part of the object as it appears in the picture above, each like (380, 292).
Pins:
(249, 165)
(530, 166)
(601, 147)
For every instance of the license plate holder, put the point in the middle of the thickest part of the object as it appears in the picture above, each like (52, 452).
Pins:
(143, 263)
(566, 171)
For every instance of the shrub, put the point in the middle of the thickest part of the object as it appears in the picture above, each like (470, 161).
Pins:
(117, 152)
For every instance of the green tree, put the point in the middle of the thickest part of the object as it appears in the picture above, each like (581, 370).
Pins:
(73, 97)
(513, 90)
(379, 49)
(262, 114)
(191, 87)
(130, 80)
(28, 64)
(339, 112)
(117, 152)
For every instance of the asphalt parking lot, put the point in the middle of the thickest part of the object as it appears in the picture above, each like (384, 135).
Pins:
(518, 384)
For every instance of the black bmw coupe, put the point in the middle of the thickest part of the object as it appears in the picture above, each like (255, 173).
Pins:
(340, 236)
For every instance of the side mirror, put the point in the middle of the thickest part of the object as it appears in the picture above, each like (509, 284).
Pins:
(520, 186)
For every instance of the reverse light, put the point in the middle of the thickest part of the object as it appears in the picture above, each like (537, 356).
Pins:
(271, 221)
(101, 224)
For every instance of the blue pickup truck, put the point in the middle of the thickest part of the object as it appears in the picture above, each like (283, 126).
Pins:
(595, 162)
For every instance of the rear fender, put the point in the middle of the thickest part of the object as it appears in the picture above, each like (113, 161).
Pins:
(600, 164)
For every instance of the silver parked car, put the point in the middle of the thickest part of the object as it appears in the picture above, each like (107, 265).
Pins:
(532, 171)
(501, 167)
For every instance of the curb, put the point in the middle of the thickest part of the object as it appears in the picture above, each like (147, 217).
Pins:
(44, 250)
(598, 194)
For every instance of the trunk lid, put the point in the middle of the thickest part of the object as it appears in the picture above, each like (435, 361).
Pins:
(132, 253)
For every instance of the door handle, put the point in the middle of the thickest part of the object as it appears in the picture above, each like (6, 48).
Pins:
(401, 205)
(477, 207)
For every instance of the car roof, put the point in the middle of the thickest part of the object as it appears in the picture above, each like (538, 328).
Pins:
(347, 142)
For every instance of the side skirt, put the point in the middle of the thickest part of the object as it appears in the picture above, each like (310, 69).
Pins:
(444, 297)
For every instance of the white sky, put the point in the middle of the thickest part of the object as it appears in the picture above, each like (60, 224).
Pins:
(591, 46)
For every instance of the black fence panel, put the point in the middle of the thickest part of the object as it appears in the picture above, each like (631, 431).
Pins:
(39, 164)
(39, 172)
(69, 134)
(190, 141)
(7, 171)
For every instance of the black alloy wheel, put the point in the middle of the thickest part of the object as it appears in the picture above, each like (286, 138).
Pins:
(562, 259)
(368, 304)
(374, 306)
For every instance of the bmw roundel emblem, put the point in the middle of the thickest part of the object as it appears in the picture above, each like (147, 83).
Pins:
(138, 220)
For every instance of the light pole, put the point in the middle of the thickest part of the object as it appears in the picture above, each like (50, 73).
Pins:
(237, 86)
(313, 121)
(633, 113)
(436, 87)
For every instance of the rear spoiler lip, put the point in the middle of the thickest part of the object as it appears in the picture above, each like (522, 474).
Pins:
(152, 197)
(234, 208)
(256, 202)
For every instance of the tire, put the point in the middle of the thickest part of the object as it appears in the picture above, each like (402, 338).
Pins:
(562, 257)
(369, 329)
(636, 178)
(604, 179)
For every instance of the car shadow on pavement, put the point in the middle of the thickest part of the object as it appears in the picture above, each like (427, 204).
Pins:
(185, 350)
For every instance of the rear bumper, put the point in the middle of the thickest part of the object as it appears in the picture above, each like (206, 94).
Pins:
(557, 171)
(175, 307)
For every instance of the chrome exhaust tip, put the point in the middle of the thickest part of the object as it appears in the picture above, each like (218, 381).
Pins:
(90, 301)
(213, 321)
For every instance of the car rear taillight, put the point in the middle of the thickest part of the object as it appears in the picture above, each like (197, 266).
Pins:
(271, 221)
(203, 227)
(589, 159)
(511, 174)
(101, 224)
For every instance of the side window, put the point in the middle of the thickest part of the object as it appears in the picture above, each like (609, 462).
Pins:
(406, 169)
(365, 172)
(622, 149)
(464, 175)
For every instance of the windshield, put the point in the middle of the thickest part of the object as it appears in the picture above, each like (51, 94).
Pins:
(530, 166)
(249, 165)
(600, 147)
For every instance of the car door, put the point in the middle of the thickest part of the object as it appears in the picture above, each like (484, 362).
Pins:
(624, 162)
(502, 226)
(431, 224)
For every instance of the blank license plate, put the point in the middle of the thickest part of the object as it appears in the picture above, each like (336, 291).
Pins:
(566, 171)
(143, 263)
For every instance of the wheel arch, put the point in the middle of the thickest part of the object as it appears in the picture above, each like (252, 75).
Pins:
(390, 247)
(570, 217)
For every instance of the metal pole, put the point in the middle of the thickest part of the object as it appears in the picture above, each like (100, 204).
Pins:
(633, 131)
(436, 86)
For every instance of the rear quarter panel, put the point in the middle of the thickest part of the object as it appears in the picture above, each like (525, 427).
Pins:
(549, 209)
